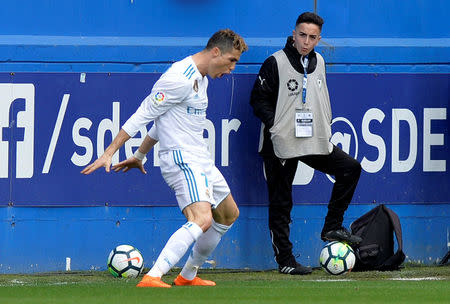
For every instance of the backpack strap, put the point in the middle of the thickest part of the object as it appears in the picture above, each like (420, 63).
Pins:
(364, 253)
(394, 262)
(396, 224)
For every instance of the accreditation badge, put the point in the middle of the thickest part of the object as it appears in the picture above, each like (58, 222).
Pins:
(303, 123)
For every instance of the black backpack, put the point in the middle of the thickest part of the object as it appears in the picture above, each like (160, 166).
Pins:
(376, 251)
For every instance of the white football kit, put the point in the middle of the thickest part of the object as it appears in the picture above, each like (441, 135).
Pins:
(177, 105)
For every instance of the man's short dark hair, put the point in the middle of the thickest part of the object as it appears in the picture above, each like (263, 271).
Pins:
(309, 17)
(227, 40)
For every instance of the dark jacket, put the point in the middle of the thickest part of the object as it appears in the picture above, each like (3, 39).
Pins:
(265, 90)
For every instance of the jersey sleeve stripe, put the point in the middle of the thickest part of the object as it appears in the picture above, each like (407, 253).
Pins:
(188, 69)
(191, 72)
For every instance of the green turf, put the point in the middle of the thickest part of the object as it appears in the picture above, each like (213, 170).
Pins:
(424, 285)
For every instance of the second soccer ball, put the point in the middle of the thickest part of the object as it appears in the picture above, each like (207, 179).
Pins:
(337, 258)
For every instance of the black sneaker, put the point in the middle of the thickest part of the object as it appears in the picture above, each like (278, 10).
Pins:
(297, 269)
(342, 235)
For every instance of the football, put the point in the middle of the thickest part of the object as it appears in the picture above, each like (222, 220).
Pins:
(337, 258)
(125, 261)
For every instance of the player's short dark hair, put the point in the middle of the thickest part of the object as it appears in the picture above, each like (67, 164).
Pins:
(309, 17)
(227, 40)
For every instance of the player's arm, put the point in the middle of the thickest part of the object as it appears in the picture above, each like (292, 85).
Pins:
(135, 161)
(106, 158)
(265, 92)
(167, 92)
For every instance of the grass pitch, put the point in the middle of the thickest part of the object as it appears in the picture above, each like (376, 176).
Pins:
(410, 285)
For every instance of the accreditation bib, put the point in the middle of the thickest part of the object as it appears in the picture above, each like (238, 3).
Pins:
(303, 123)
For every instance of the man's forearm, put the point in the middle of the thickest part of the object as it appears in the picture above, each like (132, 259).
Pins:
(118, 142)
(147, 144)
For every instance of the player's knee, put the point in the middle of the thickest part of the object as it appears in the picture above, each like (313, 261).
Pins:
(205, 222)
(199, 213)
(235, 215)
(227, 212)
(230, 217)
(351, 172)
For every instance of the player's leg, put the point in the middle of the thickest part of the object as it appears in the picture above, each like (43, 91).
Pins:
(280, 176)
(188, 183)
(225, 213)
(224, 216)
(199, 218)
(346, 171)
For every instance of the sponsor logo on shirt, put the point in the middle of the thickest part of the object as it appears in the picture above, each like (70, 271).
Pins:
(292, 85)
(195, 111)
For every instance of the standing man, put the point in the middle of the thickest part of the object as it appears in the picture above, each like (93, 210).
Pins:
(290, 96)
(177, 105)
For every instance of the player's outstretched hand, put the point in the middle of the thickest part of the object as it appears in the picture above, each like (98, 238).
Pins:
(103, 161)
(128, 164)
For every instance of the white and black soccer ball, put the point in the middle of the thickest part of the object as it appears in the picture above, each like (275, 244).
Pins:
(125, 261)
(337, 258)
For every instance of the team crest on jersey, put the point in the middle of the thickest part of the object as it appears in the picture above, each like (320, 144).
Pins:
(195, 87)
(158, 98)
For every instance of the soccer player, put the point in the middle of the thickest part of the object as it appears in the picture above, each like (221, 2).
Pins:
(177, 105)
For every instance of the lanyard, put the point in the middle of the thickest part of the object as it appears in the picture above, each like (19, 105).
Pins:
(305, 77)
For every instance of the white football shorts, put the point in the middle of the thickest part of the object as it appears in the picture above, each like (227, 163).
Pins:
(193, 178)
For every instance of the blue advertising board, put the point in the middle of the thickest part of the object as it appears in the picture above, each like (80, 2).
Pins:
(54, 124)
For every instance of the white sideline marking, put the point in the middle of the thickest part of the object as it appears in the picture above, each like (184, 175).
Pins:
(16, 282)
(331, 280)
(416, 279)
(60, 283)
(55, 135)
(13, 282)
(390, 279)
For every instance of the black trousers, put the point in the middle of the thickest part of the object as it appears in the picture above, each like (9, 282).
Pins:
(346, 171)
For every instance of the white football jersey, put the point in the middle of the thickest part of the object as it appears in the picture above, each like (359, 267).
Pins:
(177, 105)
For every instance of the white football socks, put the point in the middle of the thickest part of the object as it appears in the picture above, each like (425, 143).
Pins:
(203, 248)
(175, 248)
